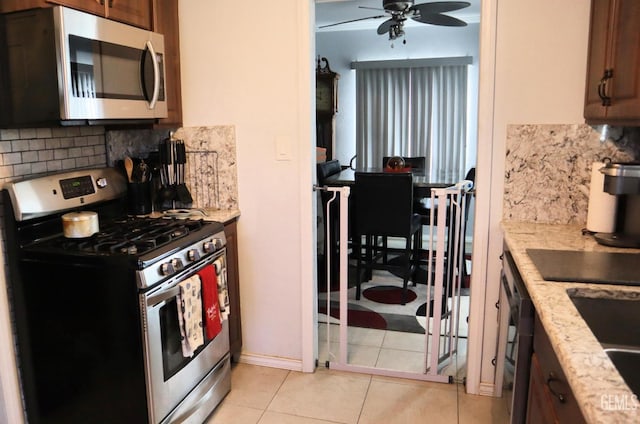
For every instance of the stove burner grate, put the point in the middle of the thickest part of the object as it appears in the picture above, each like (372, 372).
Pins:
(131, 235)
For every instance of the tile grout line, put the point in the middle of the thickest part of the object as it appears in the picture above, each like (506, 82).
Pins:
(364, 400)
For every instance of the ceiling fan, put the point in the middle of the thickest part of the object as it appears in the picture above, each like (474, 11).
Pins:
(400, 11)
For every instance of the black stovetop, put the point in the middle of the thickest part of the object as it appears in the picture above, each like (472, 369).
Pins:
(587, 267)
(130, 236)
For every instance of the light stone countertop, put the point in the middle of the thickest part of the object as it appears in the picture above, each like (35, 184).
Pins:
(219, 215)
(599, 389)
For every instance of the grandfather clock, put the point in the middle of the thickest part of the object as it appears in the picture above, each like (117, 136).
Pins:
(326, 105)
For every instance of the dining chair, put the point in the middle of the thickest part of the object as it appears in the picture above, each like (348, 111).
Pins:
(383, 207)
(418, 164)
(425, 209)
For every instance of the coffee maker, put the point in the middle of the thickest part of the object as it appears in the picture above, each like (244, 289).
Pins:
(623, 181)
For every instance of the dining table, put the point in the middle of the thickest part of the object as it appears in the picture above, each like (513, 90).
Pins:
(422, 184)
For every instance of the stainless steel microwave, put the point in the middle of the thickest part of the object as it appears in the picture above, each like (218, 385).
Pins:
(62, 65)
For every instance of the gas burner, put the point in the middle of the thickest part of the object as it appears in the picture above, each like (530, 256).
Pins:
(131, 236)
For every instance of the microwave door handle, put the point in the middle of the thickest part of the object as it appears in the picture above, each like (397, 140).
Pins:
(156, 75)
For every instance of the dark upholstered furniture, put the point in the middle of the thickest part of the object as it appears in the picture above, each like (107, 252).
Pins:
(383, 207)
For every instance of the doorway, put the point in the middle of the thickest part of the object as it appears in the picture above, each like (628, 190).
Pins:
(389, 348)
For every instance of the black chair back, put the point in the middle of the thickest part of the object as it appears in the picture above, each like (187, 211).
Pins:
(326, 169)
(383, 204)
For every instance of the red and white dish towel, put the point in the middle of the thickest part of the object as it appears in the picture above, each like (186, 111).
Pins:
(190, 315)
(223, 288)
(210, 299)
(207, 290)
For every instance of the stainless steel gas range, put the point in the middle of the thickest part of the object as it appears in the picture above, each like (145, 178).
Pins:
(125, 325)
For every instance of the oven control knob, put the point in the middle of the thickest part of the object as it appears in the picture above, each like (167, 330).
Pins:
(177, 264)
(101, 182)
(208, 247)
(193, 255)
(167, 268)
(218, 243)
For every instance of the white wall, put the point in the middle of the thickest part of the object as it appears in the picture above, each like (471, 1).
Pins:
(250, 64)
(423, 41)
(540, 69)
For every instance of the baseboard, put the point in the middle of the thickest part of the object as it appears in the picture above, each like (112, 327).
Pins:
(487, 389)
(270, 361)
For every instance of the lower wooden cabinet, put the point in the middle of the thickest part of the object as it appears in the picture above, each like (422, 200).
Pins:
(233, 281)
(550, 397)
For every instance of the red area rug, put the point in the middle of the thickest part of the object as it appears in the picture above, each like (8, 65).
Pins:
(388, 295)
(357, 316)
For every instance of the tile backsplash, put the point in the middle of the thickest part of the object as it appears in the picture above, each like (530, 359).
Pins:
(548, 171)
(34, 151)
(211, 168)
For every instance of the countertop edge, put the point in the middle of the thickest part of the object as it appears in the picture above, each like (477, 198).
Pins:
(593, 378)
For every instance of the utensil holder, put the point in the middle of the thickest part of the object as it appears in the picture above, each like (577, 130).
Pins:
(139, 198)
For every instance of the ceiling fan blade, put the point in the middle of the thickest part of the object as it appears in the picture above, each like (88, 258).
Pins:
(352, 20)
(385, 26)
(436, 19)
(439, 7)
(371, 8)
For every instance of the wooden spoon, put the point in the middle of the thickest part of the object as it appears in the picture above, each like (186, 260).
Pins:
(128, 166)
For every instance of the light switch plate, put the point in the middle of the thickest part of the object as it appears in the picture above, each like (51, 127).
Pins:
(283, 147)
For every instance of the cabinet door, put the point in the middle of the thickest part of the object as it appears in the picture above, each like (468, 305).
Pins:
(7, 6)
(133, 12)
(551, 377)
(597, 59)
(233, 281)
(613, 63)
(166, 23)
(539, 406)
(95, 7)
(625, 61)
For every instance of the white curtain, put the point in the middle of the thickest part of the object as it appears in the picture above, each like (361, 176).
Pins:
(413, 111)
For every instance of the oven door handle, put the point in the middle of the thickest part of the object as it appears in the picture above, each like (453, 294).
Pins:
(155, 299)
(163, 296)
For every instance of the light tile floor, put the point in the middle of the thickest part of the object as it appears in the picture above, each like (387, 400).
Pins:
(386, 349)
(261, 395)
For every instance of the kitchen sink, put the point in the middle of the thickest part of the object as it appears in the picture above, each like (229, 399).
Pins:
(627, 361)
(615, 322)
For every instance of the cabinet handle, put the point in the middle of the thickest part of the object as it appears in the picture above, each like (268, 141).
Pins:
(602, 87)
(552, 377)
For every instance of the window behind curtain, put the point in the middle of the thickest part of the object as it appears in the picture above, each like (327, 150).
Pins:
(413, 111)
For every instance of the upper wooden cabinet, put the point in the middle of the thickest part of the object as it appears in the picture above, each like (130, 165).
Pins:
(157, 15)
(134, 12)
(613, 67)
(166, 22)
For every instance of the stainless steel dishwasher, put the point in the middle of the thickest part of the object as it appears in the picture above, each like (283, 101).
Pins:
(515, 340)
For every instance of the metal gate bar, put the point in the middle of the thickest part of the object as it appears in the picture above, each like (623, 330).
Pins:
(447, 246)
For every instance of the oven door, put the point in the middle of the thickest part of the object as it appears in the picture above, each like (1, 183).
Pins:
(171, 376)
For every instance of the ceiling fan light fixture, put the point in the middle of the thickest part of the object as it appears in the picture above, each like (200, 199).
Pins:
(396, 31)
(396, 5)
